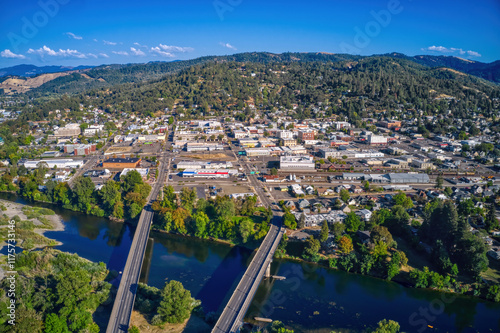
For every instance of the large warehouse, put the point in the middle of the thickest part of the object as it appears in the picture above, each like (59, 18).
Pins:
(396, 178)
(60, 164)
(209, 173)
(303, 162)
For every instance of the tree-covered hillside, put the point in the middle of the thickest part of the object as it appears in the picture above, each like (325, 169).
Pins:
(351, 88)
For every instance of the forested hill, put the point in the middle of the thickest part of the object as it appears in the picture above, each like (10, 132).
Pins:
(110, 75)
(353, 89)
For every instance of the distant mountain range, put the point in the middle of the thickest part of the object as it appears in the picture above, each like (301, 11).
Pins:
(83, 78)
(32, 70)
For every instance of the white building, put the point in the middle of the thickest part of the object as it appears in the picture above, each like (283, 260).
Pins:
(341, 124)
(285, 134)
(93, 129)
(60, 164)
(377, 140)
(302, 162)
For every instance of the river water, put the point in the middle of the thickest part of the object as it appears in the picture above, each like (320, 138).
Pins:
(311, 299)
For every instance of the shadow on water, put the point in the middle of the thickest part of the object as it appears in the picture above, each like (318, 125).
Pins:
(224, 279)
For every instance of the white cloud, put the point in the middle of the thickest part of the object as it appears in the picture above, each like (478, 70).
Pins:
(9, 54)
(106, 42)
(227, 45)
(47, 51)
(92, 55)
(158, 51)
(121, 53)
(172, 48)
(137, 44)
(72, 35)
(95, 40)
(103, 55)
(473, 53)
(137, 52)
(443, 49)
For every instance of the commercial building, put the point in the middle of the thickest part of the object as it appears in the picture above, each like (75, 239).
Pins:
(203, 165)
(288, 142)
(79, 150)
(306, 135)
(341, 124)
(377, 140)
(60, 164)
(303, 162)
(285, 135)
(93, 130)
(203, 173)
(330, 152)
(152, 137)
(68, 130)
(121, 163)
(422, 165)
(257, 152)
(203, 146)
(390, 124)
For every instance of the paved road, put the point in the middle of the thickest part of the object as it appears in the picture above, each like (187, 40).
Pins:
(124, 301)
(232, 316)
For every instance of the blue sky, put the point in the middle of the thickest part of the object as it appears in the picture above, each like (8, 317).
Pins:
(91, 32)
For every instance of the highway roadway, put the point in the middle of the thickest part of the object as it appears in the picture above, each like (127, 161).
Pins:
(124, 301)
(234, 312)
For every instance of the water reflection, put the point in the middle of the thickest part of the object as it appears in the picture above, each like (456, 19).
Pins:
(310, 299)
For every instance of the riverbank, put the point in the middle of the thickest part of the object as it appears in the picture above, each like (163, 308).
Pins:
(193, 324)
(31, 224)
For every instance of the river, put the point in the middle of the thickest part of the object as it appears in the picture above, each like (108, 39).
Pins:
(312, 298)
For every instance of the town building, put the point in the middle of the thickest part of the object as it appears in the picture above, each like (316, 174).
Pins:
(121, 163)
(301, 162)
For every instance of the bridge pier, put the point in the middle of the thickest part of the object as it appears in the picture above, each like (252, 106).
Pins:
(268, 270)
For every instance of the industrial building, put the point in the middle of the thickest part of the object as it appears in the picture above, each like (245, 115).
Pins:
(211, 173)
(303, 162)
(121, 163)
(205, 146)
(398, 178)
(203, 165)
(60, 164)
(377, 140)
(79, 149)
(68, 130)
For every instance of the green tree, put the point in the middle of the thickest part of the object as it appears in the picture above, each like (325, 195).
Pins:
(201, 221)
(176, 303)
(273, 171)
(110, 194)
(130, 180)
(134, 329)
(353, 223)
(344, 195)
(323, 235)
(491, 220)
(246, 229)
(439, 181)
(403, 200)
(387, 326)
(55, 324)
(312, 247)
(188, 198)
(83, 191)
(381, 233)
